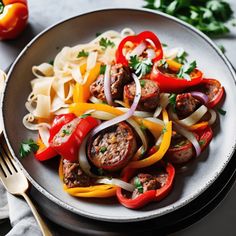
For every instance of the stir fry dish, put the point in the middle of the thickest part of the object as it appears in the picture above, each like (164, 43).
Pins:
(122, 112)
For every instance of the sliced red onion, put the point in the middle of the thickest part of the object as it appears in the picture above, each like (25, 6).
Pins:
(124, 116)
(107, 85)
(137, 51)
(188, 135)
(202, 97)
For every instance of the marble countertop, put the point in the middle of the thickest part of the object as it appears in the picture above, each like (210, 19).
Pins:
(44, 13)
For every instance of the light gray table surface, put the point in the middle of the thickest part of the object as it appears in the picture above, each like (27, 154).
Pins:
(43, 13)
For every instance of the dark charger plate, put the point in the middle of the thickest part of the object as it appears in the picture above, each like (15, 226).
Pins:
(64, 222)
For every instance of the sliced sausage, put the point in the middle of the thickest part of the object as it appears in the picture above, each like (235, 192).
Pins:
(181, 149)
(149, 182)
(150, 94)
(120, 75)
(113, 147)
(73, 175)
(185, 105)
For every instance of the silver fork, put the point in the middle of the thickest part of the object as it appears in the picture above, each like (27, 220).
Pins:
(15, 181)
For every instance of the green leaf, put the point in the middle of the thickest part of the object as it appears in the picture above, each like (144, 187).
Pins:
(171, 9)
(51, 62)
(142, 83)
(221, 111)
(66, 132)
(27, 147)
(1, 7)
(85, 115)
(181, 57)
(103, 149)
(172, 100)
(222, 48)
(141, 67)
(102, 69)
(186, 69)
(138, 185)
(82, 54)
(105, 43)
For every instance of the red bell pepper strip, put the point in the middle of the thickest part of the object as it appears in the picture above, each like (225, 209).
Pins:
(44, 153)
(169, 82)
(66, 142)
(137, 39)
(205, 137)
(13, 18)
(213, 89)
(59, 121)
(150, 195)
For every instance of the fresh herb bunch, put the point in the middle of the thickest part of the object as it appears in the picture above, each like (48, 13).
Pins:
(209, 16)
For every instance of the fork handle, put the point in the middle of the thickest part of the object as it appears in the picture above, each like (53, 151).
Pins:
(44, 228)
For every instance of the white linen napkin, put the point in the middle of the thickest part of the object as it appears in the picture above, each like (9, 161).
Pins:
(21, 217)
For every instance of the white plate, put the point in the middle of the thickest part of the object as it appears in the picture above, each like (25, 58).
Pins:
(188, 185)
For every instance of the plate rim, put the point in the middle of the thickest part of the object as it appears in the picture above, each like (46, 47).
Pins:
(104, 217)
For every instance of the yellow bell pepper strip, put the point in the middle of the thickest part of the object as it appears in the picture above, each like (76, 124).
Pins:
(199, 126)
(157, 156)
(96, 191)
(173, 65)
(82, 91)
(79, 108)
(154, 128)
(13, 18)
(165, 116)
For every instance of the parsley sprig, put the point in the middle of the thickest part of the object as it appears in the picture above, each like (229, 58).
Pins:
(27, 147)
(186, 69)
(138, 185)
(140, 66)
(209, 16)
(82, 54)
(105, 43)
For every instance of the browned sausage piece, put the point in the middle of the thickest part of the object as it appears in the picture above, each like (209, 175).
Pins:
(150, 94)
(149, 182)
(73, 175)
(120, 76)
(113, 147)
(185, 105)
(181, 149)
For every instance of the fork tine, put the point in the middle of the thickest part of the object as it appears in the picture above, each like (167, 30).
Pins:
(7, 161)
(3, 166)
(7, 152)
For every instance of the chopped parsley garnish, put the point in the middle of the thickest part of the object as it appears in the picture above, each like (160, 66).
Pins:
(141, 67)
(82, 54)
(164, 130)
(27, 147)
(85, 115)
(202, 142)
(102, 69)
(143, 127)
(209, 16)
(51, 62)
(181, 57)
(186, 69)
(172, 100)
(221, 111)
(66, 132)
(142, 83)
(138, 185)
(103, 149)
(164, 45)
(163, 63)
(222, 48)
(105, 43)
(1, 7)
